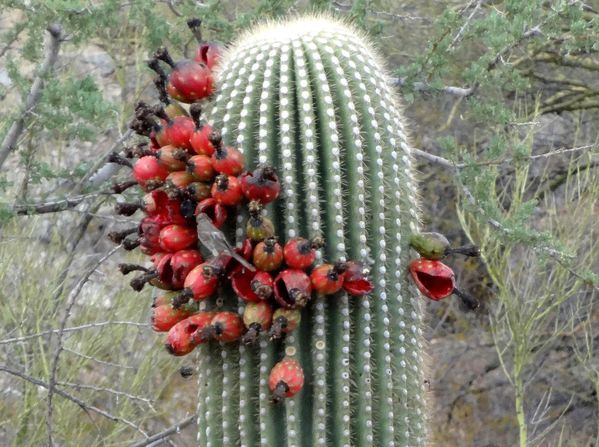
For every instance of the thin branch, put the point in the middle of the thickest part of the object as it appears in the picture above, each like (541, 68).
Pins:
(71, 329)
(55, 37)
(168, 432)
(84, 406)
(19, 27)
(54, 206)
(423, 87)
(105, 390)
(94, 359)
(551, 252)
(102, 170)
(461, 31)
(71, 302)
(435, 159)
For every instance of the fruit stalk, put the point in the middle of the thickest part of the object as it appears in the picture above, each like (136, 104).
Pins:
(310, 98)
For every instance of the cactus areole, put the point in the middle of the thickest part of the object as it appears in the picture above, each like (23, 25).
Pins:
(311, 98)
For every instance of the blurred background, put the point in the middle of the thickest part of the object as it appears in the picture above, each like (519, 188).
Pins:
(507, 91)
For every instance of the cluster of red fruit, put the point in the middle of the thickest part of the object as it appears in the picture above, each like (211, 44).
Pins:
(434, 279)
(194, 185)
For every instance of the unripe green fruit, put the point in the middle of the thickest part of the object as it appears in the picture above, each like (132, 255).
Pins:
(432, 246)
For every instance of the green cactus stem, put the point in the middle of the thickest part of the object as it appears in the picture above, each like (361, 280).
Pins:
(310, 97)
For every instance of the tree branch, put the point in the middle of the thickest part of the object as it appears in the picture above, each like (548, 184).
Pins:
(71, 329)
(53, 206)
(55, 37)
(71, 302)
(166, 433)
(84, 406)
(551, 252)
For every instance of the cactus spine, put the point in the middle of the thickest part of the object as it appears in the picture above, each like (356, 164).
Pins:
(309, 97)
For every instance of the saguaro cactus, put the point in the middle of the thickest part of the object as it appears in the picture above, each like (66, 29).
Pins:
(310, 97)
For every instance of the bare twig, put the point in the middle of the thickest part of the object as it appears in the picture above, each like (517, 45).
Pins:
(54, 206)
(451, 165)
(461, 31)
(423, 87)
(551, 252)
(19, 27)
(105, 390)
(71, 302)
(71, 329)
(94, 359)
(102, 170)
(55, 37)
(166, 433)
(84, 406)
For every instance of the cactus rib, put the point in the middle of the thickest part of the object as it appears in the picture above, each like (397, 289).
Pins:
(310, 97)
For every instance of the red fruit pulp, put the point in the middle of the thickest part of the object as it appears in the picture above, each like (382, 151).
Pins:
(292, 288)
(209, 54)
(216, 212)
(355, 281)
(241, 281)
(434, 279)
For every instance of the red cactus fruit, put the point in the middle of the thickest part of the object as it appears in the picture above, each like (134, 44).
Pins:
(174, 93)
(286, 379)
(262, 184)
(165, 317)
(355, 279)
(257, 318)
(434, 279)
(300, 253)
(179, 131)
(226, 190)
(177, 237)
(200, 166)
(166, 298)
(268, 255)
(208, 52)
(177, 181)
(174, 267)
(200, 141)
(149, 172)
(258, 227)
(241, 280)
(262, 285)
(183, 337)
(191, 80)
(225, 327)
(149, 234)
(200, 283)
(284, 321)
(327, 279)
(171, 157)
(225, 159)
(215, 211)
(292, 288)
